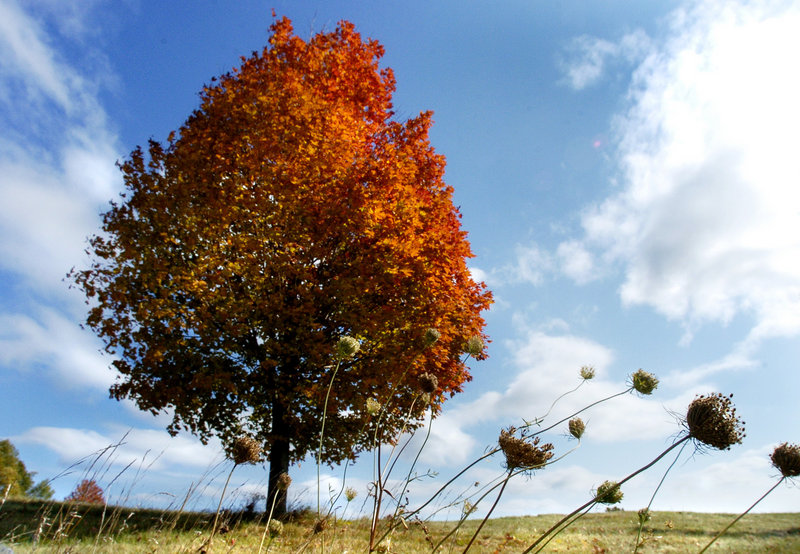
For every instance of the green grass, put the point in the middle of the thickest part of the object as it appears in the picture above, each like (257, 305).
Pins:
(28, 526)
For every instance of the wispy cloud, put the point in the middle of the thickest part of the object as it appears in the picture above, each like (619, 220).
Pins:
(588, 58)
(57, 169)
(122, 447)
(48, 339)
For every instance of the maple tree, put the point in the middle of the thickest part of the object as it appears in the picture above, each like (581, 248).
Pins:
(87, 491)
(290, 209)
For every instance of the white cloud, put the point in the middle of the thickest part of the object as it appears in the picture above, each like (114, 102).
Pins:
(576, 262)
(48, 339)
(26, 55)
(548, 366)
(57, 168)
(119, 447)
(531, 266)
(707, 224)
(57, 156)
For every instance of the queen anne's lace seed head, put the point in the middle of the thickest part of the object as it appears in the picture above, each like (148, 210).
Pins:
(431, 337)
(609, 493)
(587, 372)
(245, 450)
(644, 382)
(373, 406)
(711, 420)
(283, 481)
(576, 427)
(474, 346)
(347, 347)
(275, 528)
(786, 458)
(522, 453)
(428, 383)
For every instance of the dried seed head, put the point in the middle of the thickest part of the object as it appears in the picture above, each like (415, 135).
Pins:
(385, 546)
(576, 427)
(320, 525)
(431, 336)
(644, 382)
(712, 421)
(373, 406)
(275, 528)
(786, 458)
(468, 508)
(587, 372)
(608, 493)
(521, 453)
(350, 493)
(474, 346)
(428, 383)
(283, 481)
(245, 450)
(347, 347)
(644, 515)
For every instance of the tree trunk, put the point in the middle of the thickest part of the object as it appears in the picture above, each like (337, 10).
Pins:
(278, 461)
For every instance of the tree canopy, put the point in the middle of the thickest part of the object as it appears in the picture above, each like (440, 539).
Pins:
(290, 209)
(15, 479)
(87, 491)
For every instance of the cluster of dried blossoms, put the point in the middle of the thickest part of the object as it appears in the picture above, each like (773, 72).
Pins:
(523, 453)
(428, 383)
(786, 458)
(245, 450)
(712, 420)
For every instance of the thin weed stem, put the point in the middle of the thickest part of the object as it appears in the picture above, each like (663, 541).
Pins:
(559, 422)
(593, 501)
(655, 492)
(219, 507)
(489, 513)
(539, 419)
(266, 528)
(322, 435)
(732, 523)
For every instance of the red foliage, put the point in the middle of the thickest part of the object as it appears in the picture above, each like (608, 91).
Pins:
(87, 491)
(290, 209)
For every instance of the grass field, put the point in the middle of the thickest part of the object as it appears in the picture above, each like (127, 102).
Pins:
(27, 526)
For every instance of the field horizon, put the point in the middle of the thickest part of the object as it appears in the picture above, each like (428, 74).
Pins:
(61, 526)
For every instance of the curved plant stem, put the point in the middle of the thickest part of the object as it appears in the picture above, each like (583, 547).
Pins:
(464, 516)
(595, 403)
(219, 507)
(763, 496)
(486, 517)
(594, 501)
(576, 518)
(266, 528)
(416, 459)
(539, 419)
(322, 435)
(655, 492)
(456, 476)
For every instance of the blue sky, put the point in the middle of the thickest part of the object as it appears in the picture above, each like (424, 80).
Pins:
(627, 173)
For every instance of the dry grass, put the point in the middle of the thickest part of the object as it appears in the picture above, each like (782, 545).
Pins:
(123, 530)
